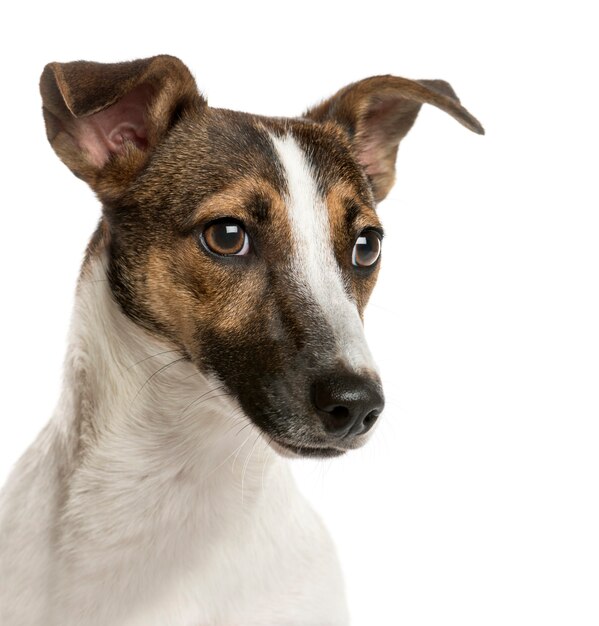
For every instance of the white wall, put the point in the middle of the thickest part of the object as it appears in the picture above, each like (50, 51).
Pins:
(477, 501)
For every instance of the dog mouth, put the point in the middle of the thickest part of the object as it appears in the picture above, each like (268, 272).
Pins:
(316, 452)
(301, 418)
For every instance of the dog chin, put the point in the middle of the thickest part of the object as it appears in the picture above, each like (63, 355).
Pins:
(292, 451)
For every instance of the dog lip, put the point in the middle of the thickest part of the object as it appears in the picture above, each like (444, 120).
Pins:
(307, 451)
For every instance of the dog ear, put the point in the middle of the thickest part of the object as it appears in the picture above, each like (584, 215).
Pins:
(378, 112)
(104, 119)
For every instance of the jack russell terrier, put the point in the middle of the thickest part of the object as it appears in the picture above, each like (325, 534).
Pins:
(219, 308)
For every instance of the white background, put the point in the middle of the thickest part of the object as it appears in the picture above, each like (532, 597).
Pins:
(477, 500)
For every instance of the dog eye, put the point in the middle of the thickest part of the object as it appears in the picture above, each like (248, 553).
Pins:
(226, 238)
(367, 249)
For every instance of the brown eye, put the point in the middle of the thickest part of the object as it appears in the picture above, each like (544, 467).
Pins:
(367, 249)
(226, 238)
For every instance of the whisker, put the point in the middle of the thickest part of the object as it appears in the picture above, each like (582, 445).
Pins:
(270, 438)
(245, 466)
(249, 423)
(183, 358)
(236, 415)
(238, 451)
(198, 373)
(151, 357)
(203, 395)
(220, 395)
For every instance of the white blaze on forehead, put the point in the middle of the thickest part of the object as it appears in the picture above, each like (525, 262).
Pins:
(314, 264)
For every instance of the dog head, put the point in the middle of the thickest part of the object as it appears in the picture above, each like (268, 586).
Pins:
(252, 243)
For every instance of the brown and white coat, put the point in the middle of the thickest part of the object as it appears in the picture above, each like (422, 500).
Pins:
(158, 493)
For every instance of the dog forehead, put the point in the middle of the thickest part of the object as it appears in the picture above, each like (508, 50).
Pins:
(327, 197)
(235, 159)
(241, 144)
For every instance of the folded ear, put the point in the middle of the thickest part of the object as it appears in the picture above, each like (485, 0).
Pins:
(378, 112)
(104, 119)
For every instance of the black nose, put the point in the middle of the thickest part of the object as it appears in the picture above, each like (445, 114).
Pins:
(348, 404)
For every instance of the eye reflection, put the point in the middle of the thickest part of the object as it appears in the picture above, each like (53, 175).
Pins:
(227, 238)
(367, 249)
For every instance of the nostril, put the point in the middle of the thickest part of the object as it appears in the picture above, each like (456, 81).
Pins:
(340, 412)
(370, 419)
(338, 418)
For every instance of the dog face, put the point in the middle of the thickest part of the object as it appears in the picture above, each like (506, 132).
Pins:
(251, 243)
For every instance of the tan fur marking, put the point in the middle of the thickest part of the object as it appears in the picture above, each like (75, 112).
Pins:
(235, 200)
(186, 287)
(338, 198)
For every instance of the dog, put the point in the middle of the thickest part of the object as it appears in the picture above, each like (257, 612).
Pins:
(219, 309)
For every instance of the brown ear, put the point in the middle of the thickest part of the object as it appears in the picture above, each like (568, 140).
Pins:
(378, 112)
(104, 119)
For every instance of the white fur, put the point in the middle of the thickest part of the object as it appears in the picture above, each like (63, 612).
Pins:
(137, 506)
(314, 265)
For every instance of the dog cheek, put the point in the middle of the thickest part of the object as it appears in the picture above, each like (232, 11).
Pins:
(234, 326)
(240, 356)
(362, 288)
(169, 304)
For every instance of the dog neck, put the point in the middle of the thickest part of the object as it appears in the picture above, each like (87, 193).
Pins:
(159, 471)
(138, 405)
